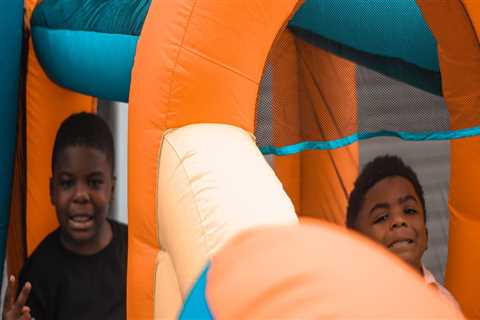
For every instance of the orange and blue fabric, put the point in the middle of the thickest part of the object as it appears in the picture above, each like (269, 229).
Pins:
(296, 272)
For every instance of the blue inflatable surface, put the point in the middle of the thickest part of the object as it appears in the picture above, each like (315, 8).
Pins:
(93, 63)
(89, 45)
(389, 28)
(196, 305)
(11, 17)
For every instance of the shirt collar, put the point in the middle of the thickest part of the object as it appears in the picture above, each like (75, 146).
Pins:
(428, 276)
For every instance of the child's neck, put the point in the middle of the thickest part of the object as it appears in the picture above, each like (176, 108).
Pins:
(419, 268)
(91, 247)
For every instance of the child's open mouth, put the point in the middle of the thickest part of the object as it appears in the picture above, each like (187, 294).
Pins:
(82, 221)
(403, 243)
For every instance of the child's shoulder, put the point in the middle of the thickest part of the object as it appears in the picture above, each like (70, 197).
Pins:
(49, 247)
(118, 227)
(120, 231)
(44, 258)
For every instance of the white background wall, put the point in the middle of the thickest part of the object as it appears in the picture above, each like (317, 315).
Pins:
(116, 115)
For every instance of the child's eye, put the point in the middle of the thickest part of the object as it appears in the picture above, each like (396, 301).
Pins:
(95, 183)
(381, 218)
(410, 211)
(66, 183)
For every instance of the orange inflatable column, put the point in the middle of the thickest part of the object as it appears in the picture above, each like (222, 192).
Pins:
(197, 62)
(328, 111)
(306, 82)
(459, 53)
(286, 114)
(47, 105)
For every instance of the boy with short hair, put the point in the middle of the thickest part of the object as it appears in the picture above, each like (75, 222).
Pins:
(387, 205)
(79, 270)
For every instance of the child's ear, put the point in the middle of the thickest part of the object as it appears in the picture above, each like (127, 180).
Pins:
(51, 191)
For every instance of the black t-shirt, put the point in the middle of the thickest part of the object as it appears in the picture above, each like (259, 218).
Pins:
(69, 286)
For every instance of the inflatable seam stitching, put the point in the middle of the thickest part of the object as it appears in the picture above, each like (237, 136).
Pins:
(218, 63)
(155, 282)
(175, 64)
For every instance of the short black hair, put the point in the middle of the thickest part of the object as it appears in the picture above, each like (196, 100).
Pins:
(85, 130)
(378, 169)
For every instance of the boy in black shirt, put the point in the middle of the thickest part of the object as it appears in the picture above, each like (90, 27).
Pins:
(79, 270)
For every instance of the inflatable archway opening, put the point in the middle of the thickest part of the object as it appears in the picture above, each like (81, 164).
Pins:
(321, 99)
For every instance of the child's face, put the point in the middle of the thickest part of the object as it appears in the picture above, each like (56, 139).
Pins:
(392, 214)
(81, 189)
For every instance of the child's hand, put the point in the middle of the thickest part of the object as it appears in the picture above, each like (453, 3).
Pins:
(15, 309)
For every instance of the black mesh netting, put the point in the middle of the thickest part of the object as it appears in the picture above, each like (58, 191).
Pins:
(330, 97)
(308, 94)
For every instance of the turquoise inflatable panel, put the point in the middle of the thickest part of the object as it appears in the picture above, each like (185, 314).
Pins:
(390, 28)
(104, 16)
(196, 305)
(93, 63)
(11, 33)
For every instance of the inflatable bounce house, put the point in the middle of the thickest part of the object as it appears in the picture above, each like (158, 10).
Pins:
(243, 114)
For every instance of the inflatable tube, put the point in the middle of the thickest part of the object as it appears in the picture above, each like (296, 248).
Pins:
(96, 64)
(11, 15)
(295, 273)
(89, 46)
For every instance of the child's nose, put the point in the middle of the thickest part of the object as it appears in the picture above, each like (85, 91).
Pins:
(81, 193)
(398, 219)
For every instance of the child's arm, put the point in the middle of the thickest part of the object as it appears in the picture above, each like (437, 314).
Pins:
(15, 309)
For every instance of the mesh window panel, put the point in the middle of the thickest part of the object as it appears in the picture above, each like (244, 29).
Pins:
(388, 104)
(309, 95)
(342, 99)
